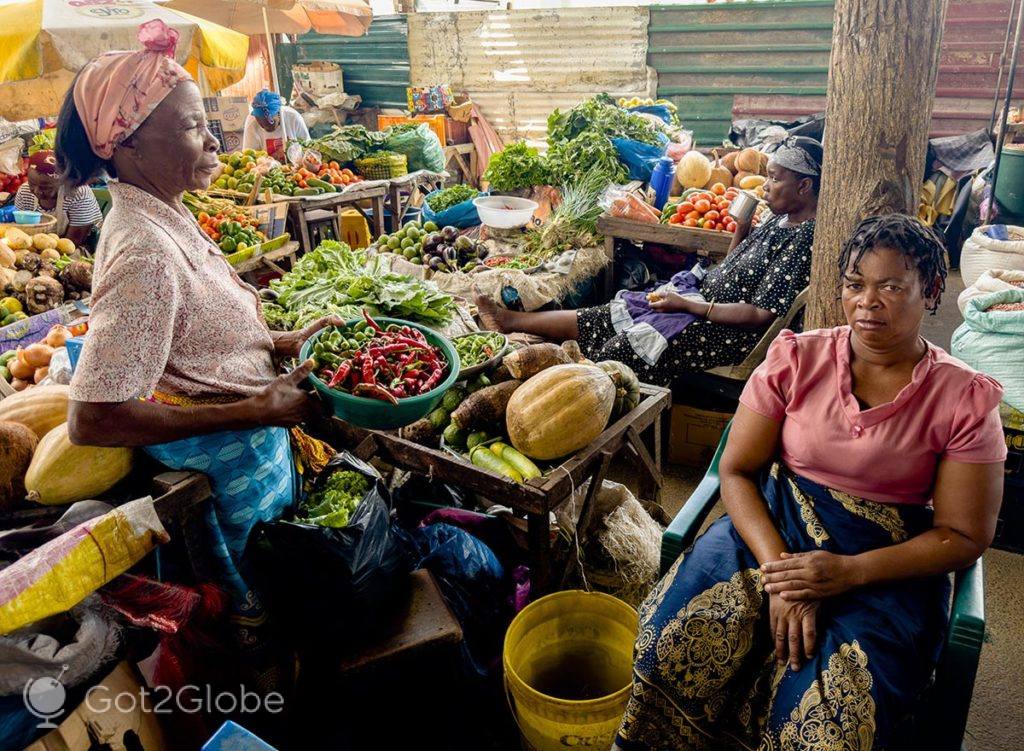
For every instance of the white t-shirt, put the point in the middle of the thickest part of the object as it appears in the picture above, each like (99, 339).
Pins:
(255, 137)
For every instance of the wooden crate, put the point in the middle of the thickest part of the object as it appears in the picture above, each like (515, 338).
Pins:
(700, 241)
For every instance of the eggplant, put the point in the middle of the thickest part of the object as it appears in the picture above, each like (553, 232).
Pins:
(450, 234)
(435, 263)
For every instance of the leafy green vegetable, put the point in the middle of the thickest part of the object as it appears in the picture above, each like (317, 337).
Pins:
(346, 143)
(514, 167)
(601, 115)
(452, 196)
(333, 504)
(334, 278)
(43, 141)
(588, 153)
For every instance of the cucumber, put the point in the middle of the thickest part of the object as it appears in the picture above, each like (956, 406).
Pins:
(475, 439)
(518, 461)
(484, 459)
(307, 192)
(5, 373)
(6, 357)
(314, 182)
(454, 436)
(439, 418)
(453, 398)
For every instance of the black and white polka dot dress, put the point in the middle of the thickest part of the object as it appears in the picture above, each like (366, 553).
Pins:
(768, 269)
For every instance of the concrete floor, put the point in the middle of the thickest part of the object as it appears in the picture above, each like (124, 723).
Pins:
(996, 721)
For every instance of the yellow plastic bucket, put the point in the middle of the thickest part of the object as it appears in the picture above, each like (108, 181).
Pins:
(568, 662)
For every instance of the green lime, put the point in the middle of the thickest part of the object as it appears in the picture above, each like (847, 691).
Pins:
(430, 227)
(413, 233)
(383, 239)
(408, 242)
(409, 253)
(394, 243)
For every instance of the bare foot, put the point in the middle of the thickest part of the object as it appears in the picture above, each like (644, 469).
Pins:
(492, 316)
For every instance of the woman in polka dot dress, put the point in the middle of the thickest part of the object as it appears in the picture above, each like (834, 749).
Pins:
(697, 324)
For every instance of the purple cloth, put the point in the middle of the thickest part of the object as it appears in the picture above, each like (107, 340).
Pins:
(669, 325)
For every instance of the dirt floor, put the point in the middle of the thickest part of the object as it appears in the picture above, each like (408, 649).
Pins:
(996, 721)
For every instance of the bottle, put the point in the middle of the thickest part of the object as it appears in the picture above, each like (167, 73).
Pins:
(661, 180)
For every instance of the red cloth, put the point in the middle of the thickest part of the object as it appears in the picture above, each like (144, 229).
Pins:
(888, 453)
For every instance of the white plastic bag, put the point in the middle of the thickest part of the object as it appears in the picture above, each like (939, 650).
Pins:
(10, 156)
(981, 253)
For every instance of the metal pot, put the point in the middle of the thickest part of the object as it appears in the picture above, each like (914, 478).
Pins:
(743, 206)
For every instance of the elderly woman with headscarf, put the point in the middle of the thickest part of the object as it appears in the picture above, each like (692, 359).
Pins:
(75, 209)
(178, 358)
(703, 318)
(272, 124)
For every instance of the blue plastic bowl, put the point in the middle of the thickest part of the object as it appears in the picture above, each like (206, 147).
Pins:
(27, 217)
(375, 414)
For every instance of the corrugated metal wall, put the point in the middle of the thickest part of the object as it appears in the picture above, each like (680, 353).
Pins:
(520, 65)
(729, 61)
(375, 66)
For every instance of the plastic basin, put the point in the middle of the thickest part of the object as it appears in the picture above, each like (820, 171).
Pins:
(505, 212)
(27, 217)
(375, 414)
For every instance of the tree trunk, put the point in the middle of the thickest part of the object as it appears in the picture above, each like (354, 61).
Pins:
(881, 85)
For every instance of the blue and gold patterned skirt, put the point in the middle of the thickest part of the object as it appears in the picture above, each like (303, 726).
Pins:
(705, 675)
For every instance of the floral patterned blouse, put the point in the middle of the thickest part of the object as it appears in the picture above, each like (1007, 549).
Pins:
(169, 314)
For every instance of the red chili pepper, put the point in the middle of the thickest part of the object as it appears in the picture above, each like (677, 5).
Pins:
(390, 349)
(374, 391)
(372, 323)
(368, 376)
(435, 377)
(414, 373)
(340, 374)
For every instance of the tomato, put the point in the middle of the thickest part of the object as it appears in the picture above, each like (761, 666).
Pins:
(712, 215)
(730, 227)
(690, 222)
(694, 215)
(685, 208)
(675, 219)
(203, 217)
(723, 205)
(718, 189)
(334, 165)
(703, 206)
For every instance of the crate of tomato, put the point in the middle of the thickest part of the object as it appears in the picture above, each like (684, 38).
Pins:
(702, 209)
(329, 172)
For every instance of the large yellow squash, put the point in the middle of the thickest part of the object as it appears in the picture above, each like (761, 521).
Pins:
(560, 410)
(40, 408)
(61, 472)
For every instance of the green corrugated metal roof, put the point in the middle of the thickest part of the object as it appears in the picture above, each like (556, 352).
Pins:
(375, 66)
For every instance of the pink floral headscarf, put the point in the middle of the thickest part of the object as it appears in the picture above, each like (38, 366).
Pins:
(117, 91)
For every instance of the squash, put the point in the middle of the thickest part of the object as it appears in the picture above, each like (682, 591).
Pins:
(560, 410)
(748, 161)
(693, 170)
(61, 472)
(627, 386)
(740, 177)
(39, 409)
(729, 161)
(762, 168)
(752, 181)
(16, 446)
(7, 256)
(719, 173)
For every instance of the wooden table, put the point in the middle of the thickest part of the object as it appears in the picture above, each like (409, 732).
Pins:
(330, 207)
(702, 242)
(269, 260)
(463, 157)
(636, 435)
(408, 190)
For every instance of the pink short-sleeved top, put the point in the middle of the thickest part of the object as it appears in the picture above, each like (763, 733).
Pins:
(169, 314)
(889, 453)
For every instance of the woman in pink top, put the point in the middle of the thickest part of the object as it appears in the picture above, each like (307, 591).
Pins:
(863, 466)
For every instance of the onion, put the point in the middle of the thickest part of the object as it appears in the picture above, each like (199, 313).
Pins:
(40, 374)
(57, 337)
(19, 385)
(19, 368)
(36, 355)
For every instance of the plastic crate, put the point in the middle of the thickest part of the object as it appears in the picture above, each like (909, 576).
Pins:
(436, 123)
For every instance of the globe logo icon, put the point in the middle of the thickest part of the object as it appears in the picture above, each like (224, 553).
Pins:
(44, 697)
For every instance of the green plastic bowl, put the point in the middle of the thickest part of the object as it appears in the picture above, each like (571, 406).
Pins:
(374, 414)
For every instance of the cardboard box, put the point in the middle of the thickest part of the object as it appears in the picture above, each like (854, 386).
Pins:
(226, 117)
(318, 78)
(694, 435)
(120, 725)
(272, 218)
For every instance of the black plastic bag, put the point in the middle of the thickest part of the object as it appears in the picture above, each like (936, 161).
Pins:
(755, 131)
(330, 579)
